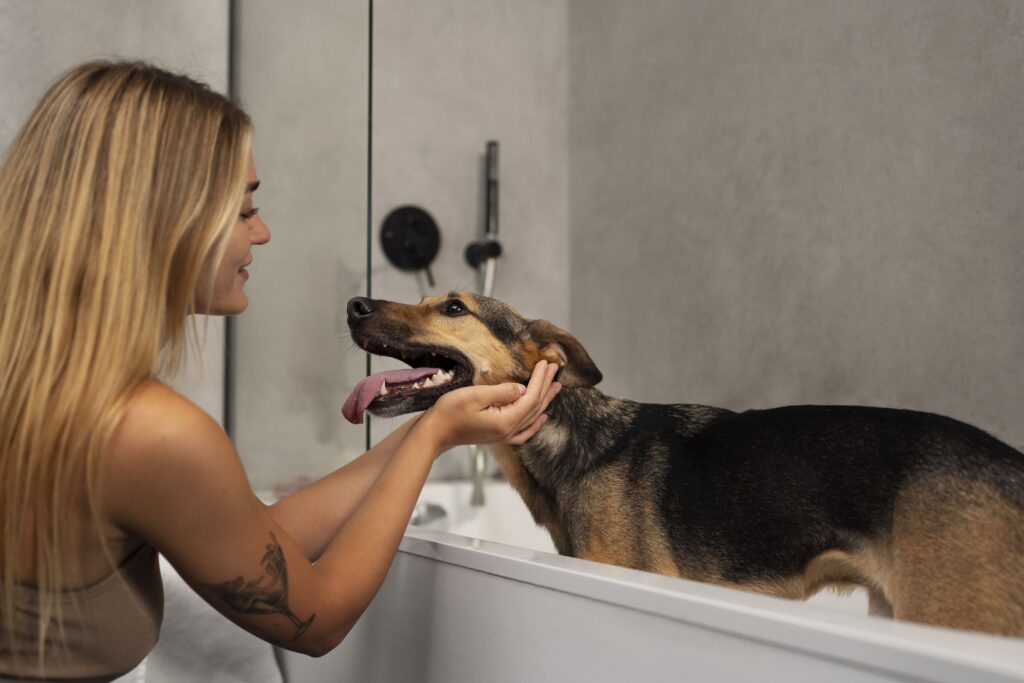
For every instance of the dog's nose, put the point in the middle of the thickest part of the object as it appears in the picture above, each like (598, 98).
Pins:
(359, 308)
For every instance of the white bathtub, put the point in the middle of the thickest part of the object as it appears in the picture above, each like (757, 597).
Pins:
(505, 519)
(471, 608)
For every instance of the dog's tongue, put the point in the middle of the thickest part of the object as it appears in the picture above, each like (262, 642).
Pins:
(366, 390)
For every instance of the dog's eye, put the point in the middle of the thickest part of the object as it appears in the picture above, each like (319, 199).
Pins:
(455, 308)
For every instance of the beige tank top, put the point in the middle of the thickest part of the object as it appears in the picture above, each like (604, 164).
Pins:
(109, 627)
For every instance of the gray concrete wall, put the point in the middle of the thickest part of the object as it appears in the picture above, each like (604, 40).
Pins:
(797, 201)
(303, 76)
(449, 75)
(39, 41)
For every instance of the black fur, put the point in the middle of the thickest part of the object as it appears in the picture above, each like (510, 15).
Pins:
(763, 491)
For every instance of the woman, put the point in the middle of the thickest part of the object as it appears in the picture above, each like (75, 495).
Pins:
(126, 205)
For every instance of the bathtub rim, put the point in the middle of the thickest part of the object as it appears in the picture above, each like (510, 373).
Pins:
(908, 650)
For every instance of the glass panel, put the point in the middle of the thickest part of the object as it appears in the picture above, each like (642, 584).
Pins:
(303, 76)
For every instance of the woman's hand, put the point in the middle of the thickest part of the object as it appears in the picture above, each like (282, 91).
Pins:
(503, 413)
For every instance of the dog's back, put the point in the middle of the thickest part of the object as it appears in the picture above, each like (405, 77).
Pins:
(805, 478)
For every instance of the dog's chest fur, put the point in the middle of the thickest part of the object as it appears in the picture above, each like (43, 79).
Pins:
(595, 475)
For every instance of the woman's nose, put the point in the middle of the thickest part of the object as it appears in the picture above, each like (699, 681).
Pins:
(259, 233)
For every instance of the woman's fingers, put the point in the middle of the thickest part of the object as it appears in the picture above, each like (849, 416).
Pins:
(508, 413)
(499, 394)
(514, 411)
(523, 436)
(546, 394)
(540, 378)
(553, 390)
(520, 405)
(546, 390)
(532, 402)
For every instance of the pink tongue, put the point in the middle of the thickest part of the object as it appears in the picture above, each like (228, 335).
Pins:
(366, 390)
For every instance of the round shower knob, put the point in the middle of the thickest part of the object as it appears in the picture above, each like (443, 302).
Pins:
(410, 239)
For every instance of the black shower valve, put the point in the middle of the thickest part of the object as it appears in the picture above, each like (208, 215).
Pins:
(411, 239)
(478, 252)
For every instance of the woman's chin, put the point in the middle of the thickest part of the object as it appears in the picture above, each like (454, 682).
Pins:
(236, 307)
(225, 306)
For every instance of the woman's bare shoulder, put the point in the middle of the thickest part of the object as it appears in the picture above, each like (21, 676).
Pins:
(157, 416)
(165, 445)
(161, 427)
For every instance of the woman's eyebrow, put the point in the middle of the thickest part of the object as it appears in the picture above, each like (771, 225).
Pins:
(251, 187)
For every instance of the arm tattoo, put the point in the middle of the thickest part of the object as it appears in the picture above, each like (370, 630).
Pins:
(256, 597)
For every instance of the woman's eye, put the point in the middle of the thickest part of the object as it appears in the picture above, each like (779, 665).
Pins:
(455, 308)
(246, 215)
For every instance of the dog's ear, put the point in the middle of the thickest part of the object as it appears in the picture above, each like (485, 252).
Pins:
(558, 346)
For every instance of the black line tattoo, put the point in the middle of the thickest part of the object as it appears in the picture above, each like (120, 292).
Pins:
(255, 597)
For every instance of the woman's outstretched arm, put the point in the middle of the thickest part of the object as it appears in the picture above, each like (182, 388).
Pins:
(315, 514)
(173, 479)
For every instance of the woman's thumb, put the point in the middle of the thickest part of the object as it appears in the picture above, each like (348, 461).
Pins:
(501, 394)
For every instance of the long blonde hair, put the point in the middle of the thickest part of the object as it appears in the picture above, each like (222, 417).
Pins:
(120, 185)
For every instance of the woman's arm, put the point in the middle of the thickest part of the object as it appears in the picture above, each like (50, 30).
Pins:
(173, 479)
(315, 514)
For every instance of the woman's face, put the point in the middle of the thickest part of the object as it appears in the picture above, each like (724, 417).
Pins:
(226, 294)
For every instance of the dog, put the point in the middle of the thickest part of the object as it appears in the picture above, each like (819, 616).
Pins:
(923, 511)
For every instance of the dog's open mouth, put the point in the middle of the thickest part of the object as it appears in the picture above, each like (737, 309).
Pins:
(433, 372)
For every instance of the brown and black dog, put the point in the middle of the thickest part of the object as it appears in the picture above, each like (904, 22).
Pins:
(925, 512)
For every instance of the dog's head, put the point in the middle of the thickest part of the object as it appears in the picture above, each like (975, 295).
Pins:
(450, 342)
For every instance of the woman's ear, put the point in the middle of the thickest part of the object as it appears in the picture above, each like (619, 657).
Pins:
(558, 346)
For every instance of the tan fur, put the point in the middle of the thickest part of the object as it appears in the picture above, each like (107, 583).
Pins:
(949, 534)
(622, 525)
(520, 480)
(940, 545)
(611, 533)
(835, 569)
(533, 354)
(513, 468)
(491, 358)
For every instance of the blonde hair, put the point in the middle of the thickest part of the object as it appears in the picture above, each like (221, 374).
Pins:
(116, 191)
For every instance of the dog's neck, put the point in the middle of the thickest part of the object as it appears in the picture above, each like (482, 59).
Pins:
(584, 426)
(585, 431)
(564, 449)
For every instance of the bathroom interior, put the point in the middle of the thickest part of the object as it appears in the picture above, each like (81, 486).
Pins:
(739, 203)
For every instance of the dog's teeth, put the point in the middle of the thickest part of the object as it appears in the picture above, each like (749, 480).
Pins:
(383, 390)
(438, 378)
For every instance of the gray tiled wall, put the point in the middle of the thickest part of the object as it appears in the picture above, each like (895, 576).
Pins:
(801, 201)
